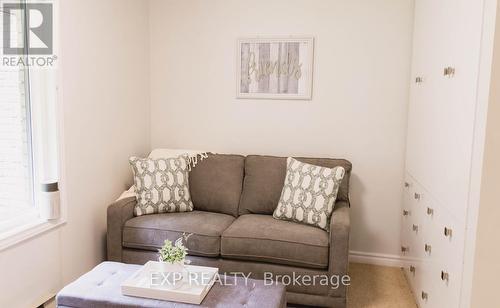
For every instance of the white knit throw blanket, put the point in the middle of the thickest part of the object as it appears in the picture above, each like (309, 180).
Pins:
(193, 156)
(169, 153)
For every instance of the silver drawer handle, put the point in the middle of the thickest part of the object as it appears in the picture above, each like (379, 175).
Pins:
(427, 248)
(430, 211)
(406, 212)
(447, 232)
(424, 295)
(415, 228)
(449, 71)
(412, 269)
(405, 249)
(407, 184)
(416, 196)
(445, 276)
(419, 79)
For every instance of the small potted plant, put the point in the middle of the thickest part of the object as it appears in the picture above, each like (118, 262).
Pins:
(172, 257)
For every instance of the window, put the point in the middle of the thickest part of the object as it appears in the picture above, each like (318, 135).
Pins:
(28, 147)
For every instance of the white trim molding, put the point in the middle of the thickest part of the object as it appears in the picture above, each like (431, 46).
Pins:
(29, 231)
(481, 114)
(376, 259)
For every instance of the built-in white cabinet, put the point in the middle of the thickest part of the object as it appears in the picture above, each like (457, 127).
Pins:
(441, 121)
(445, 65)
(432, 245)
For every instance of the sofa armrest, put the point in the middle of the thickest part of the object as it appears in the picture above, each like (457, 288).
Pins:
(118, 213)
(340, 225)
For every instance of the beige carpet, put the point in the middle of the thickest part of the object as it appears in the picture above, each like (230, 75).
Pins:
(378, 287)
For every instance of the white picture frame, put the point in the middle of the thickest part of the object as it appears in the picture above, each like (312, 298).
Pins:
(275, 68)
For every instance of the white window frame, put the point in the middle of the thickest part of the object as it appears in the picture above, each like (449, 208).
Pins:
(31, 225)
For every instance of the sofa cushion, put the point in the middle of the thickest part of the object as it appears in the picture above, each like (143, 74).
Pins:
(161, 185)
(216, 183)
(309, 194)
(264, 178)
(256, 237)
(150, 231)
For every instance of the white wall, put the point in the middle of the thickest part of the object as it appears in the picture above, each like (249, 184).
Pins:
(105, 101)
(106, 114)
(30, 271)
(358, 110)
(360, 92)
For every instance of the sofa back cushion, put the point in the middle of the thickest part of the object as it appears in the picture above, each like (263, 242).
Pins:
(216, 183)
(265, 176)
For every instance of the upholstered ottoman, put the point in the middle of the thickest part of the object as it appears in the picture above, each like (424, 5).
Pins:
(100, 288)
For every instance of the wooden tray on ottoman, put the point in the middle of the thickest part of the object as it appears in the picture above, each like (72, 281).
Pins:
(151, 282)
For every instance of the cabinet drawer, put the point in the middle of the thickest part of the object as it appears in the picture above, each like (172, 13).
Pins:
(406, 219)
(416, 275)
(435, 240)
(448, 248)
(441, 237)
(406, 235)
(427, 295)
(418, 229)
(446, 236)
(446, 282)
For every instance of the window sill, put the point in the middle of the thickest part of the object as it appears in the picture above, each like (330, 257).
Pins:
(27, 231)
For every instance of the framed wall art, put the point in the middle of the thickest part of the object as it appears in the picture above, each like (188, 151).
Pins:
(275, 68)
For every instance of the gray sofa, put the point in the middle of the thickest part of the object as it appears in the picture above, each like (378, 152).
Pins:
(233, 229)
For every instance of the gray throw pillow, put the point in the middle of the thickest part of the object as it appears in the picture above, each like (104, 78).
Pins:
(161, 185)
(309, 193)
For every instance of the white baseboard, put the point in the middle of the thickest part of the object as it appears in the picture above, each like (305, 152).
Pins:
(376, 259)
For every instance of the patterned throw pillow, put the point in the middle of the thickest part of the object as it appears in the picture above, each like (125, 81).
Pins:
(161, 185)
(309, 193)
